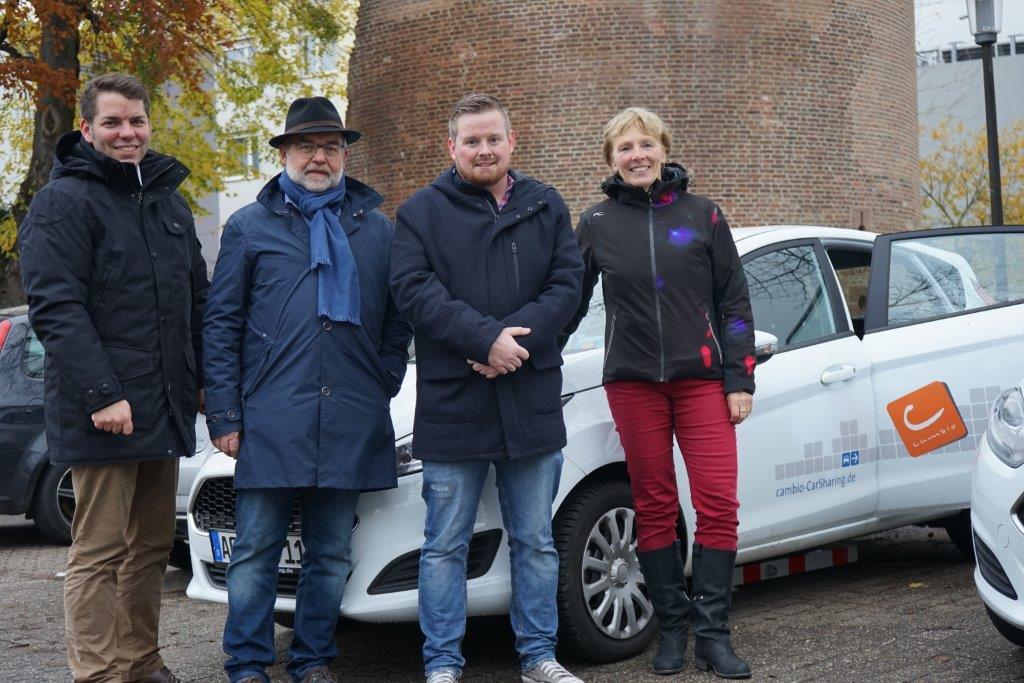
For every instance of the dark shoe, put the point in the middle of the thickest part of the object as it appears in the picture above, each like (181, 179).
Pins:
(712, 598)
(252, 679)
(663, 574)
(164, 675)
(319, 674)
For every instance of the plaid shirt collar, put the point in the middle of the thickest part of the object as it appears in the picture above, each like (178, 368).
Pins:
(508, 192)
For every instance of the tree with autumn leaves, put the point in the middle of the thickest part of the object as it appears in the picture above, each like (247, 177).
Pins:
(954, 176)
(187, 54)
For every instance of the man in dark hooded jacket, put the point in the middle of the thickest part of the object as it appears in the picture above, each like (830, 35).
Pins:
(116, 286)
(486, 268)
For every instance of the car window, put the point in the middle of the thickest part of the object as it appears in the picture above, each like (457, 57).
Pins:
(590, 334)
(32, 357)
(931, 277)
(788, 296)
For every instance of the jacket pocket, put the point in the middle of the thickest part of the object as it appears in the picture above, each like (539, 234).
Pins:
(129, 362)
(97, 299)
(449, 392)
(713, 337)
(255, 359)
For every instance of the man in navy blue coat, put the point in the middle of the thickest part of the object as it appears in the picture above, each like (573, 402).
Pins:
(306, 350)
(486, 268)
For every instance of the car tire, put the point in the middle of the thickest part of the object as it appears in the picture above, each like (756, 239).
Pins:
(599, 579)
(53, 505)
(180, 557)
(285, 619)
(960, 533)
(1006, 629)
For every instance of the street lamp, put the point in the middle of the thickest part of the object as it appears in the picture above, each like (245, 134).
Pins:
(985, 17)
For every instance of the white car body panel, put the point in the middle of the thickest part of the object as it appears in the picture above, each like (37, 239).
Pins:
(799, 425)
(997, 491)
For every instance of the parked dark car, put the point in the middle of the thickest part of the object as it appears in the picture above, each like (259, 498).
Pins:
(29, 484)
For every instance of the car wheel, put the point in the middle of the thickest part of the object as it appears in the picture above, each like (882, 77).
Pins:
(285, 619)
(959, 529)
(1009, 631)
(603, 608)
(53, 506)
(180, 557)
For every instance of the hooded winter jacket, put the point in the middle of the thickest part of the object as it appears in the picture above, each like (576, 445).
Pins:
(675, 296)
(116, 286)
(462, 271)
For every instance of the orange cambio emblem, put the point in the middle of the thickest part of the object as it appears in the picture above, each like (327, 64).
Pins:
(927, 419)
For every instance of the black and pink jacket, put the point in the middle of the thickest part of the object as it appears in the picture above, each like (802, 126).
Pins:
(675, 295)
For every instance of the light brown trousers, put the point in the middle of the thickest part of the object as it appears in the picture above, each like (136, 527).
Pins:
(122, 534)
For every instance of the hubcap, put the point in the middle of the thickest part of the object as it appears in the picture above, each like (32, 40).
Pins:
(613, 587)
(66, 498)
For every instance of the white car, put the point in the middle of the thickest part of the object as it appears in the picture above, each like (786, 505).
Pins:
(997, 515)
(863, 321)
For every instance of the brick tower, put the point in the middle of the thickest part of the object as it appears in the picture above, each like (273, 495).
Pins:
(784, 112)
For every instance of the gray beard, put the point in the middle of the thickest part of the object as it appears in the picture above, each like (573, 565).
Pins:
(299, 178)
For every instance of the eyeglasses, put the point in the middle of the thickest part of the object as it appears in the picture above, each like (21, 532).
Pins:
(308, 149)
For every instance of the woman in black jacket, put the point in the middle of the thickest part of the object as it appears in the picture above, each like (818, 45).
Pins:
(679, 359)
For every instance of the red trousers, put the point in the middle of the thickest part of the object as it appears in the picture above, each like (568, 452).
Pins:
(646, 415)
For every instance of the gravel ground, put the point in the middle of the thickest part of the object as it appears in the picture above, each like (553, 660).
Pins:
(907, 611)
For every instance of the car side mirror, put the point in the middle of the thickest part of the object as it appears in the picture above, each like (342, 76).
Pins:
(766, 345)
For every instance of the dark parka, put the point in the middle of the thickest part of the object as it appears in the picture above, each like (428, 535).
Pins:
(461, 272)
(311, 396)
(675, 296)
(116, 286)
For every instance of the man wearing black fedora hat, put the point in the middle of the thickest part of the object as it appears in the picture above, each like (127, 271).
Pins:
(305, 350)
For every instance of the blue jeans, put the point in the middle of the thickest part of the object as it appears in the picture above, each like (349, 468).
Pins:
(263, 517)
(526, 492)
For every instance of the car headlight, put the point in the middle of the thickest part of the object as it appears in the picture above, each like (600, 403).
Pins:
(1006, 428)
(407, 464)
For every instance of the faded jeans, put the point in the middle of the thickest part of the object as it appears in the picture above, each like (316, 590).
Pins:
(526, 492)
(263, 517)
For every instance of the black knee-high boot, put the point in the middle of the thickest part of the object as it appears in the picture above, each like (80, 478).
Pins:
(709, 610)
(663, 574)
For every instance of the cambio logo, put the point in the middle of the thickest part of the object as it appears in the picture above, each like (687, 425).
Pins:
(918, 426)
(943, 424)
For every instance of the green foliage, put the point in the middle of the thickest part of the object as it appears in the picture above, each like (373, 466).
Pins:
(186, 52)
(954, 177)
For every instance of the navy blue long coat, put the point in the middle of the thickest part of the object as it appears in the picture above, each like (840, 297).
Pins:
(462, 272)
(310, 396)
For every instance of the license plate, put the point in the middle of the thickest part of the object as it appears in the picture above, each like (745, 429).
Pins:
(223, 543)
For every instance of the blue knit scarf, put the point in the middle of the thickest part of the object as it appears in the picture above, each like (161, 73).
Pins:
(329, 252)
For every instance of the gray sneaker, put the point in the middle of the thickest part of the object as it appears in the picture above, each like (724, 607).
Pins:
(443, 676)
(549, 671)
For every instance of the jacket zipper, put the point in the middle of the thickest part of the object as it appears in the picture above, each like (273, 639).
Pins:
(711, 329)
(611, 337)
(515, 263)
(654, 283)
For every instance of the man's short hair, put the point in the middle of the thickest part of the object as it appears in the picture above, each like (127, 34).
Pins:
(644, 120)
(475, 103)
(123, 84)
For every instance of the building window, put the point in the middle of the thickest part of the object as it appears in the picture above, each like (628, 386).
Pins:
(248, 159)
(320, 57)
(242, 54)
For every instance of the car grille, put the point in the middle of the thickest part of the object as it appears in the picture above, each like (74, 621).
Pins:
(287, 580)
(403, 573)
(992, 570)
(214, 506)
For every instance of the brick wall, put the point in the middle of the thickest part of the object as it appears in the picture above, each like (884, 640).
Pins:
(785, 112)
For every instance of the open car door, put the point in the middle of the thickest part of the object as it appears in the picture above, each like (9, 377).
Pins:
(944, 329)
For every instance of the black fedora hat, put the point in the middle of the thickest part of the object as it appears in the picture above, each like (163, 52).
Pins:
(313, 115)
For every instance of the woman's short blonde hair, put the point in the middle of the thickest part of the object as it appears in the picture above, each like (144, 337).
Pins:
(644, 120)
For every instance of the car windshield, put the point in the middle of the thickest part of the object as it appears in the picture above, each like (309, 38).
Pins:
(590, 334)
